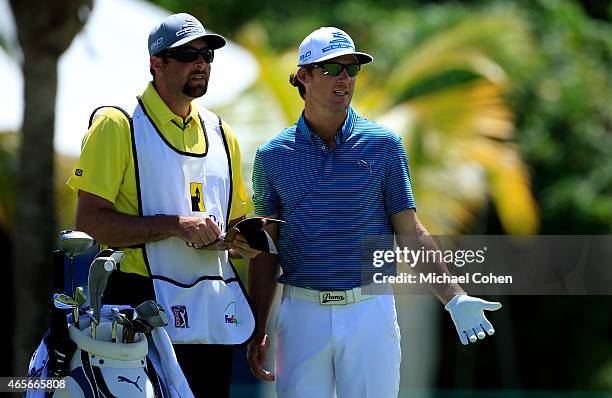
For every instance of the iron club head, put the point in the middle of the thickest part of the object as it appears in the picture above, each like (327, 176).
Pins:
(79, 296)
(152, 313)
(64, 302)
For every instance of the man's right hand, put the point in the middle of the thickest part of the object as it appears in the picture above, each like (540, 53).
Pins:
(201, 231)
(469, 318)
(258, 356)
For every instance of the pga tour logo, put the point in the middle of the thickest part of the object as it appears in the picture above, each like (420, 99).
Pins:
(230, 314)
(181, 320)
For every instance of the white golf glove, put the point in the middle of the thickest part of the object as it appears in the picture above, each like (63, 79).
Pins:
(468, 315)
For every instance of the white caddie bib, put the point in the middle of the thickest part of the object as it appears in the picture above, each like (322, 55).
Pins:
(204, 299)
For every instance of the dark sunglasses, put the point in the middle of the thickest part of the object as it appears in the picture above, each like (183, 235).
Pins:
(189, 54)
(334, 68)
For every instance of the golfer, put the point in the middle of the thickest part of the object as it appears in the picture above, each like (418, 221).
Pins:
(335, 177)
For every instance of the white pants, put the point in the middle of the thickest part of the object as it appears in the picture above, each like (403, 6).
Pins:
(350, 350)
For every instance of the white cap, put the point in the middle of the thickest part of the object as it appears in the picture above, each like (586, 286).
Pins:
(327, 43)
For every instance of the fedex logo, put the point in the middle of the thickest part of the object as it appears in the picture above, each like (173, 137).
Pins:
(230, 314)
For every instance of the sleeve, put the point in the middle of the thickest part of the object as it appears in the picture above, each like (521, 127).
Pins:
(397, 188)
(265, 197)
(241, 202)
(105, 153)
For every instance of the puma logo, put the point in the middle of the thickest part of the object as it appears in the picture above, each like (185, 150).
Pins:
(327, 297)
(365, 164)
(126, 380)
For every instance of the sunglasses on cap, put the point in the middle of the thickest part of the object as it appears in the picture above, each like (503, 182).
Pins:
(189, 54)
(334, 68)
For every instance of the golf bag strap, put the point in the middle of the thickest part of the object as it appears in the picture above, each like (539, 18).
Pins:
(153, 377)
(89, 380)
(101, 383)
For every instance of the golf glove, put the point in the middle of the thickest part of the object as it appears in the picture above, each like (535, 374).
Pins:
(468, 315)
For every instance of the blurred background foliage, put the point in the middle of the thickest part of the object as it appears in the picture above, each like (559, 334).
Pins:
(505, 111)
(504, 108)
(513, 97)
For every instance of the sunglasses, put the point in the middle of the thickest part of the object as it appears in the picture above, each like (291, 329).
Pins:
(334, 68)
(189, 54)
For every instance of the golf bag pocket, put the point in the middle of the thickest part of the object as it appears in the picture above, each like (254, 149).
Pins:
(103, 368)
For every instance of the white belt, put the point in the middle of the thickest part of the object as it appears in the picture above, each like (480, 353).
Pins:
(329, 297)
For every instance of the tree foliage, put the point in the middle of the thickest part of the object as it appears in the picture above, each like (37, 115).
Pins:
(45, 30)
(499, 102)
(555, 77)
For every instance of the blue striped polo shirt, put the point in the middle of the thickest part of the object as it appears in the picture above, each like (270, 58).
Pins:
(330, 199)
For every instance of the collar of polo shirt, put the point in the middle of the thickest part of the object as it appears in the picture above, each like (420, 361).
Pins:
(342, 136)
(162, 114)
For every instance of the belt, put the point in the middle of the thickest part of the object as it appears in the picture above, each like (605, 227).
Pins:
(329, 297)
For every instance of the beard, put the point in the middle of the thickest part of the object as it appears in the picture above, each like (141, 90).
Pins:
(194, 89)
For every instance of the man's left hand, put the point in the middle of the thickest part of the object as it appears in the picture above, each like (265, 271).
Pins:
(468, 315)
(241, 247)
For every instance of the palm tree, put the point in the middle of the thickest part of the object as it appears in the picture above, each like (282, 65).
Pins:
(458, 136)
(45, 30)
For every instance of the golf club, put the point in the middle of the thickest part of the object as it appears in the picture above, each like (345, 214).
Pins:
(152, 313)
(73, 243)
(94, 326)
(142, 325)
(99, 271)
(116, 319)
(59, 345)
(128, 330)
(65, 302)
(80, 298)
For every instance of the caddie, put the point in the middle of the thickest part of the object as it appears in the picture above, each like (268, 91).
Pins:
(160, 183)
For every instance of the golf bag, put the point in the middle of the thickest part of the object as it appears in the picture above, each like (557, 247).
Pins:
(113, 369)
(98, 367)
(81, 345)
